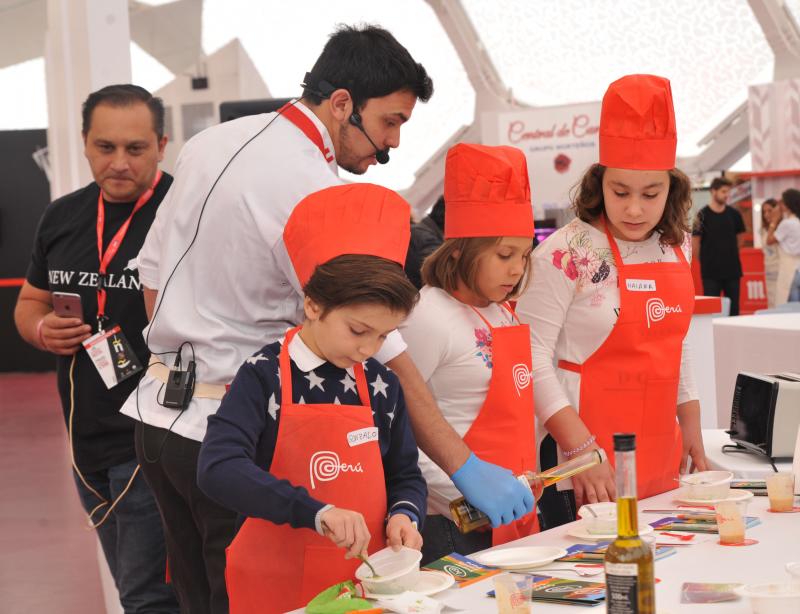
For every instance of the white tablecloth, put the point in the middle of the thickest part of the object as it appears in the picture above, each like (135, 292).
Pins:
(767, 343)
(779, 543)
(746, 466)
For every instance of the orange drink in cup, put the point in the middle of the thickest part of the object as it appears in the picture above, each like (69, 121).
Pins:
(780, 488)
(730, 521)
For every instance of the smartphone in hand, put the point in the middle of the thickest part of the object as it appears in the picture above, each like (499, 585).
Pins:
(68, 305)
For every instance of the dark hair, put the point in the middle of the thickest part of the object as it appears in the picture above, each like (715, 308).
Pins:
(791, 198)
(437, 213)
(589, 205)
(369, 280)
(772, 203)
(369, 63)
(458, 259)
(720, 182)
(124, 95)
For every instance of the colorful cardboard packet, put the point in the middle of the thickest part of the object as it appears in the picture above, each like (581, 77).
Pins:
(463, 569)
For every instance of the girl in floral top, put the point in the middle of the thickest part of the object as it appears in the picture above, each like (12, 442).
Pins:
(609, 349)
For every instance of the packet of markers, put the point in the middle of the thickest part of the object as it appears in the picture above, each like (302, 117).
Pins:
(695, 522)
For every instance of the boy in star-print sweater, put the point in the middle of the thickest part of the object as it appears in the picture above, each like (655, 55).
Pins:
(238, 450)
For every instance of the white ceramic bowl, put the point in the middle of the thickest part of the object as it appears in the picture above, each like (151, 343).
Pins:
(794, 571)
(707, 485)
(604, 519)
(397, 571)
(771, 598)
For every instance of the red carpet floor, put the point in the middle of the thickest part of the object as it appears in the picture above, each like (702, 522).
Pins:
(48, 559)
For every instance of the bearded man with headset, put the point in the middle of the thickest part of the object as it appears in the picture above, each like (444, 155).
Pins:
(219, 284)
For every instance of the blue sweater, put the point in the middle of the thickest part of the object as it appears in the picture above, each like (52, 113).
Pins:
(234, 462)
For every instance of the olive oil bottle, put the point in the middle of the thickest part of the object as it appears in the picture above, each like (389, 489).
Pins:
(468, 518)
(630, 580)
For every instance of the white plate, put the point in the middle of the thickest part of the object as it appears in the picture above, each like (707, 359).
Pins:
(430, 582)
(579, 531)
(520, 557)
(735, 495)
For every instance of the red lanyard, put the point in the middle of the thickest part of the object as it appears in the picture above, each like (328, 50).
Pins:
(113, 246)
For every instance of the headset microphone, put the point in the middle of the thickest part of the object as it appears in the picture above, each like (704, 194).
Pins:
(381, 155)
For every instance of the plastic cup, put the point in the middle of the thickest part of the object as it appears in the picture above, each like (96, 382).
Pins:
(780, 489)
(513, 593)
(730, 521)
(650, 542)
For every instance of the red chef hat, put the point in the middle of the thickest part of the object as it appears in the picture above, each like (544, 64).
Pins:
(358, 218)
(637, 124)
(486, 192)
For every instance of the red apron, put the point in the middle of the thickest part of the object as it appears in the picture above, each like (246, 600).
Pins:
(630, 383)
(275, 568)
(504, 432)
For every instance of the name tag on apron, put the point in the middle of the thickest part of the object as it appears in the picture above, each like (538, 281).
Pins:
(356, 438)
(640, 285)
(112, 355)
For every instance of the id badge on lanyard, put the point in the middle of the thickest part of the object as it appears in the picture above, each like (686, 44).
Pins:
(109, 350)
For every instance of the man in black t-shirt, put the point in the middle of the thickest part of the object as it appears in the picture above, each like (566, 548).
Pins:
(123, 132)
(717, 236)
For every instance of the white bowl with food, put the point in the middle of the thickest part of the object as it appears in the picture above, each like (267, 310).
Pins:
(599, 518)
(706, 485)
(396, 572)
(772, 597)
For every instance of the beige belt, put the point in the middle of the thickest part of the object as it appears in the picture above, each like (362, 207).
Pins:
(201, 391)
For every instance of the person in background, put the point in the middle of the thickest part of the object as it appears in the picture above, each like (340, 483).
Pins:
(717, 237)
(770, 212)
(609, 305)
(312, 444)
(426, 236)
(84, 245)
(467, 342)
(786, 236)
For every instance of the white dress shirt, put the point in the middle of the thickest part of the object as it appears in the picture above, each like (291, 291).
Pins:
(226, 284)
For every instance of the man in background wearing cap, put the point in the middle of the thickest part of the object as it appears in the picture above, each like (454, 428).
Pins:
(610, 304)
(225, 284)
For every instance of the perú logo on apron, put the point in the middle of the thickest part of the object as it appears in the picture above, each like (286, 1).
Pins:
(326, 466)
(657, 310)
(522, 377)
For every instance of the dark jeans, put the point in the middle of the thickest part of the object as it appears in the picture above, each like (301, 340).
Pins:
(728, 287)
(197, 530)
(556, 507)
(132, 539)
(441, 537)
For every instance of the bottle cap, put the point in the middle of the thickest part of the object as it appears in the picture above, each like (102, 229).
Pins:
(624, 442)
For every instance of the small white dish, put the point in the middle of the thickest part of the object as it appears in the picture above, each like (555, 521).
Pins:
(771, 598)
(520, 557)
(707, 485)
(733, 495)
(397, 571)
(600, 517)
(428, 583)
(580, 531)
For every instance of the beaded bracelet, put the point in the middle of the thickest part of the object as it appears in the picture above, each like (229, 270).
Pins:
(581, 447)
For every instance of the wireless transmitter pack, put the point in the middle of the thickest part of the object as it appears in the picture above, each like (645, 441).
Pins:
(180, 387)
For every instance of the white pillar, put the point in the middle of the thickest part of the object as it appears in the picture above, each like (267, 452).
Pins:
(87, 46)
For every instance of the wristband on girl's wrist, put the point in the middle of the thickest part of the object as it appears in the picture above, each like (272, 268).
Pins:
(580, 448)
(39, 334)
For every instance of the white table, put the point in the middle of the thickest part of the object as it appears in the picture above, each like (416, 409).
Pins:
(779, 543)
(746, 466)
(767, 343)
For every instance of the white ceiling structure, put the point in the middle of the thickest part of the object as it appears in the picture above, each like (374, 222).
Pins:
(482, 55)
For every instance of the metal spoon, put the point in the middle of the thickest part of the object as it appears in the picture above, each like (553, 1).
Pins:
(366, 562)
(581, 571)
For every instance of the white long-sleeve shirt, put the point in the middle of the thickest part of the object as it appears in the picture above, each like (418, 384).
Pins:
(572, 304)
(235, 289)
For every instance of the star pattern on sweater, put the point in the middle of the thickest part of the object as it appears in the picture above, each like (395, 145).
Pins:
(273, 407)
(348, 383)
(314, 381)
(379, 387)
(254, 360)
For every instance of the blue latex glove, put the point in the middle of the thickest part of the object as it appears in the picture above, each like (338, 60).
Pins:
(493, 490)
